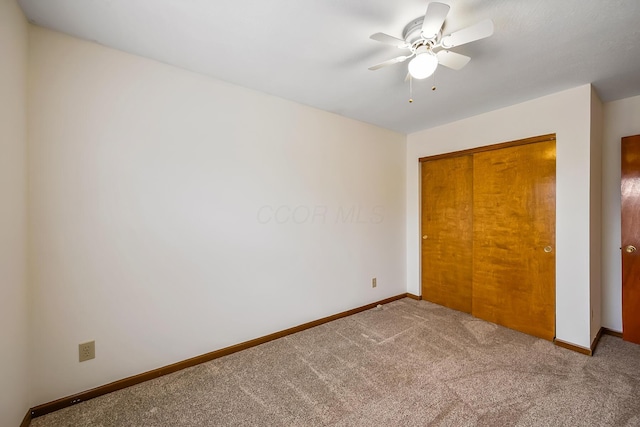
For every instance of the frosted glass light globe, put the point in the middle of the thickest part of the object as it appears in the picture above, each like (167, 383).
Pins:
(423, 65)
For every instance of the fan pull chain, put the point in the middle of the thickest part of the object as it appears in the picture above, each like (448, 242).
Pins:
(410, 89)
(434, 81)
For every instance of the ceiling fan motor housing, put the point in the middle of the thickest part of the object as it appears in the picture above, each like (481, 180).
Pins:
(412, 34)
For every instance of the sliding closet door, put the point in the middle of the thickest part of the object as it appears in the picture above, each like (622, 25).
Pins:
(447, 200)
(514, 237)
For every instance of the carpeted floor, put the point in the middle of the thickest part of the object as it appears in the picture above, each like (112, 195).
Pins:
(411, 363)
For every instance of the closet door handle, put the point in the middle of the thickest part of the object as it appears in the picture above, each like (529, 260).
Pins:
(548, 249)
(630, 249)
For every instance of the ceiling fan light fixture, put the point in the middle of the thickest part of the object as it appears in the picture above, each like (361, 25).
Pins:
(424, 34)
(423, 65)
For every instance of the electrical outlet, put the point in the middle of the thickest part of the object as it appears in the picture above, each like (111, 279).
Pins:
(374, 282)
(87, 351)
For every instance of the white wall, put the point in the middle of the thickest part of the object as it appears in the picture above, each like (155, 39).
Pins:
(14, 396)
(173, 214)
(567, 114)
(595, 262)
(621, 118)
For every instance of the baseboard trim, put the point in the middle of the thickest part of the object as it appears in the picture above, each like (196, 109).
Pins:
(573, 347)
(611, 332)
(26, 421)
(64, 402)
(412, 296)
(594, 344)
(596, 340)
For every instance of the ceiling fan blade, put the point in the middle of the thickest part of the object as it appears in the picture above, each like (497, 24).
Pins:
(467, 35)
(434, 18)
(387, 39)
(389, 62)
(452, 60)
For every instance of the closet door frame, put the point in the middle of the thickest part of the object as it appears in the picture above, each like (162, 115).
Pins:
(532, 140)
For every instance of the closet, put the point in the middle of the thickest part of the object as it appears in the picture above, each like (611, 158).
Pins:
(488, 233)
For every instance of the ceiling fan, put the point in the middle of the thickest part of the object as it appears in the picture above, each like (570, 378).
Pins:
(428, 47)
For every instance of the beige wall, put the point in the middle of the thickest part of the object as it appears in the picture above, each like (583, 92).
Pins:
(567, 114)
(14, 398)
(621, 118)
(173, 214)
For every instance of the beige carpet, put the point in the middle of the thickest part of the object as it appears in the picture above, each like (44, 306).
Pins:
(410, 363)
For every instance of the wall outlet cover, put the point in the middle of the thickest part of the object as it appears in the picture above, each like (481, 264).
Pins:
(87, 351)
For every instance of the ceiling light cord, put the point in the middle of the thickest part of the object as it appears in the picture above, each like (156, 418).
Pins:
(410, 89)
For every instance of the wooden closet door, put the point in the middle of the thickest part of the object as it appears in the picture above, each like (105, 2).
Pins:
(514, 237)
(630, 191)
(447, 201)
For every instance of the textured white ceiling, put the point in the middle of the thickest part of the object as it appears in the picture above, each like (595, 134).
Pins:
(316, 52)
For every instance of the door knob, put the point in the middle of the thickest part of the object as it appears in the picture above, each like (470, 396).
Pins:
(424, 237)
(548, 249)
(630, 249)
